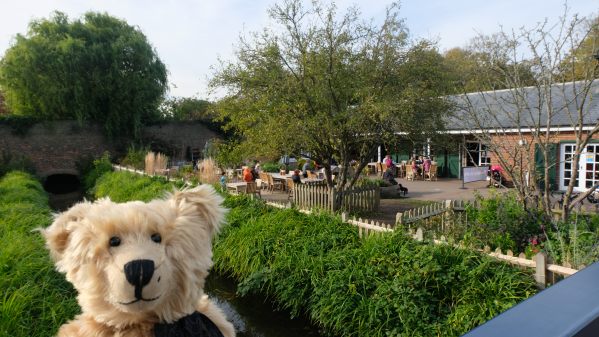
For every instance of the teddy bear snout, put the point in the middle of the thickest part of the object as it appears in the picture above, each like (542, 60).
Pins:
(138, 274)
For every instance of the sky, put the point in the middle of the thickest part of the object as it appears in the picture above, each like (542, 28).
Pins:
(191, 35)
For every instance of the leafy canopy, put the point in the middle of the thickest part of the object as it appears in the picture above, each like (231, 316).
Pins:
(329, 85)
(96, 68)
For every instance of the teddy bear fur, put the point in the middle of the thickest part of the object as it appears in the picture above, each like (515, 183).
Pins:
(174, 233)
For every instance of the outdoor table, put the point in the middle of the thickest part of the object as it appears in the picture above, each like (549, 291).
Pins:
(237, 187)
(312, 181)
(372, 166)
(282, 178)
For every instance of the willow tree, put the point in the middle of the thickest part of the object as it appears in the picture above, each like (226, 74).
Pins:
(97, 68)
(330, 86)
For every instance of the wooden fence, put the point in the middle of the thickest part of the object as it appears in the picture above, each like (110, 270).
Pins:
(438, 208)
(366, 198)
(545, 273)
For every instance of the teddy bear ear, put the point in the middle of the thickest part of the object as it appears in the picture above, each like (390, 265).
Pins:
(57, 234)
(201, 201)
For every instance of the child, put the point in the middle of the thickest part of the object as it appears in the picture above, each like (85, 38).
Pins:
(223, 181)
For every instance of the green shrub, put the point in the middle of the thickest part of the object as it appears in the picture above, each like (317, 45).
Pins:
(35, 300)
(388, 285)
(135, 157)
(94, 170)
(271, 167)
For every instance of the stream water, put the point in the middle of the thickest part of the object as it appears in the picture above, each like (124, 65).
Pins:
(253, 316)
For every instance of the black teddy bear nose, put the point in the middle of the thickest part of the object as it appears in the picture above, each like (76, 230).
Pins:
(139, 273)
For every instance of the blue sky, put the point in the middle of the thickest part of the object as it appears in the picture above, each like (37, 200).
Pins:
(190, 35)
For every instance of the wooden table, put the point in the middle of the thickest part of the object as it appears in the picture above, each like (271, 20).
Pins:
(237, 187)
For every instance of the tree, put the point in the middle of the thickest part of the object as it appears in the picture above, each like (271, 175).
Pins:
(186, 109)
(97, 68)
(583, 54)
(469, 71)
(330, 86)
(518, 124)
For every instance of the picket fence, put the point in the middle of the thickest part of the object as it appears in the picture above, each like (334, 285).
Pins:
(438, 208)
(356, 199)
(545, 272)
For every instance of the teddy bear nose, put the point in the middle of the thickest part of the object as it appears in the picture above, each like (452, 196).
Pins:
(139, 272)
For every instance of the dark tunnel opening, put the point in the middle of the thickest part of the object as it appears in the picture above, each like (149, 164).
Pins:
(64, 190)
(62, 183)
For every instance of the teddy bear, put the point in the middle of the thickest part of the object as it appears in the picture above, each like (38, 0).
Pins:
(139, 268)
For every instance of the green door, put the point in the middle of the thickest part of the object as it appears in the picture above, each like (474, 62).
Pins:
(449, 164)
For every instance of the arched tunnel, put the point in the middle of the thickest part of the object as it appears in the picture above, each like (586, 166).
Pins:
(64, 189)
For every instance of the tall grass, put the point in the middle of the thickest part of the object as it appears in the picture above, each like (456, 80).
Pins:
(126, 186)
(34, 299)
(208, 171)
(149, 163)
(382, 286)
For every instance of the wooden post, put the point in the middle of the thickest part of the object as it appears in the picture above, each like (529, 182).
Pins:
(398, 219)
(541, 270)
(344, 217)
(419, 235)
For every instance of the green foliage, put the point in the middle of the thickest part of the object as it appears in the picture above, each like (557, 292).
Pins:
(386, 286)
(499, 221)
(126, 186)
(12, 162)
(93, 171)
(35, 299)
(575, 242)
(96, 68)
(228, 154)
(365, 84)
(135, 157)
(186, 109)
(270, 167)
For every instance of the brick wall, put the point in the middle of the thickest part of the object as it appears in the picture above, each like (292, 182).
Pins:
(55, 147)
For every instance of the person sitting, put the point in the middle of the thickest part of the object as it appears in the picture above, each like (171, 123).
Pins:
(416, 168)
(296, 177)
(305, 168)
(389, 177)
(248, 177)
(388, 161)
(426, 164)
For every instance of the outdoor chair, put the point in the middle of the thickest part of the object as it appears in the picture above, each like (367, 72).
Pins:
(264, 180)
(380, 169)
(290, 187)
(252, 189)
(409, 172)
(431, 174)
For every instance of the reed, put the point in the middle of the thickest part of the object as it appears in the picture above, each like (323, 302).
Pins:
(208, 171)
(150, 160)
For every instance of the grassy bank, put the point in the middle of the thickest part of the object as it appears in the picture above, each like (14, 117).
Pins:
(35, 300)
(383, 286)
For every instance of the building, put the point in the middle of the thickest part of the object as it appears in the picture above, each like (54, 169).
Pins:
(510, 128)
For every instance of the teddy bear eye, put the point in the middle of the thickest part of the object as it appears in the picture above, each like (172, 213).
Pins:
(114, 241)
(156, 238)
